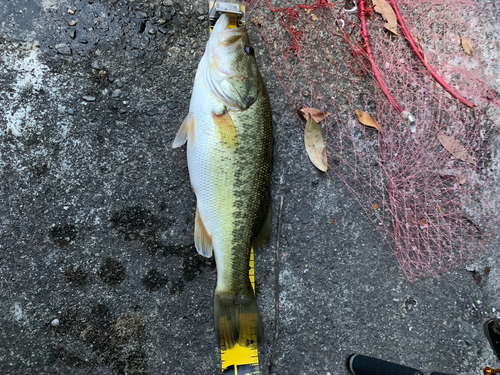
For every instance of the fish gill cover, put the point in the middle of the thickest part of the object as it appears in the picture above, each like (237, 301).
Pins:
(430, 187)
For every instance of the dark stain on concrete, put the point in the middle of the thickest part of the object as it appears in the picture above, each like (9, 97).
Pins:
(141, 226)
(113, 341)
(62, 235)
(112, 271)
(154, 280)
(76, 276)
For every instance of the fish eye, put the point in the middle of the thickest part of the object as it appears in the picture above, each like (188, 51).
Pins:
(249, 50)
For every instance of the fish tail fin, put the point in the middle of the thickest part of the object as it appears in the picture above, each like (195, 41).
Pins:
(237, 320)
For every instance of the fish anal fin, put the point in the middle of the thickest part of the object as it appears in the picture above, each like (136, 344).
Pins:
(202, 240)
(226, 128)
(263, 237)
(186, 131)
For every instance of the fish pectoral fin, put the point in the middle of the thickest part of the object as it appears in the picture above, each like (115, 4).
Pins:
(226, 128)
(186, 131)
(202, 240)
(262, 239)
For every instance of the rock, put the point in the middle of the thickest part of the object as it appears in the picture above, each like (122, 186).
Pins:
(162, 30)
(201, 11)
(201, 18)
(142, 15)
(73, 22)
(96, 64)
(111, 79)
(175, 72)
(177, 21)
(83, 41)
(63, 49)
(88, 98)
(304, 216)
(152, 31)
(172, 105)
(116, 93)
(182, 43)
(72, 34)
(168, 3)
(122, 111)
(71, 111)
(141, 26)
(174, 49)
(71, 11)
(150, 113)
(119, 83)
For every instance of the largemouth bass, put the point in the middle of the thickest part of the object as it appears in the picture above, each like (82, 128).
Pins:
(229, 136)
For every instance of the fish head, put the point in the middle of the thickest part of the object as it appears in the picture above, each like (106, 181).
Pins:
(233, 75)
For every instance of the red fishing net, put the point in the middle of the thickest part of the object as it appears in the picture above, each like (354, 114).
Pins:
(435, 209)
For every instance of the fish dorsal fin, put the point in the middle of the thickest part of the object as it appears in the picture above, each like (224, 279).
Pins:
(202, 240)
(226, 128)
(262, 239)
(186, 131)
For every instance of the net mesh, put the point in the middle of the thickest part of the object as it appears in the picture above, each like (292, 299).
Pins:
(435, 210)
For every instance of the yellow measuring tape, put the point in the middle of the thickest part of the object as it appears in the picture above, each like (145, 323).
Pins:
(241, 358)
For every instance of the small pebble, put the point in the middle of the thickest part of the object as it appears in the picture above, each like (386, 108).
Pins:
(116, 93)
(55, 322)
(141, 26)
(304, 216)
(96, 64)
(152, 31)
(182, 43)
(122, 111)
(111, 79)
(201, 18)
(119, 83)
(83, 41)
(71, 111)
(172, 105)
(201, 11)
(175, 72)
(150, 113)
(72, 34)
(63, 49)
(141, 15)
(73, 22)
(71, 11)
(88, 98)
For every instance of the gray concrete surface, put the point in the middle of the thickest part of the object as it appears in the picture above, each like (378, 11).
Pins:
(98, 272)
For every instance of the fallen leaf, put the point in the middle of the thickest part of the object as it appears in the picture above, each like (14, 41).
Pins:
(314, 17)
(307, 10)
(316, 114)
(455, 148)
(367, 120)
(466, 45)
(375, 206)
(334, 222)
(462, 179)
(438, 209)
(315, 146)
(383, 7)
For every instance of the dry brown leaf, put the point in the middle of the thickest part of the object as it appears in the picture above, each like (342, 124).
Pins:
(316, 114)
(315, 146)
(314, 17)
(383, 7)
(462, 179)
(455, 148)
(307, 10)
(466, 45)
(375, 206)
(334, 222)
(367, 120)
